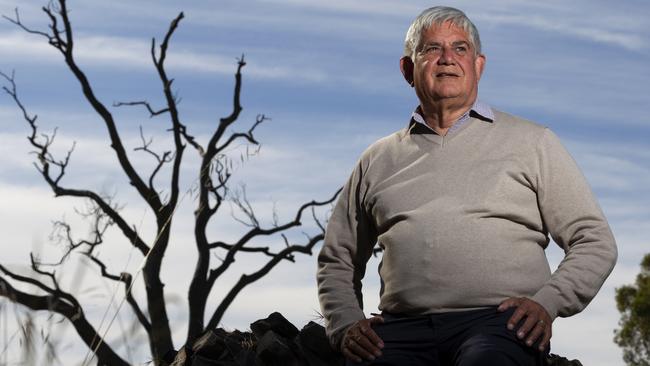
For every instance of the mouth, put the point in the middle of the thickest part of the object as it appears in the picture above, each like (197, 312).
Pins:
(446, 75)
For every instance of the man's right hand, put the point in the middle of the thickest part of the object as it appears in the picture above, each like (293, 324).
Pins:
(360, 342)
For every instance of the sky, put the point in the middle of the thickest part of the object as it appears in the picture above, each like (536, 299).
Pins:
(326, 73)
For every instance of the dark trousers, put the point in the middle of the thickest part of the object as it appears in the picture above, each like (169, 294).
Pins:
(468, 338)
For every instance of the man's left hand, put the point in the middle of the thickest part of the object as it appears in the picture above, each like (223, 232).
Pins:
(537, 324)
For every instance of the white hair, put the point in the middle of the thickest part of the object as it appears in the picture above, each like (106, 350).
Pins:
(438, 15)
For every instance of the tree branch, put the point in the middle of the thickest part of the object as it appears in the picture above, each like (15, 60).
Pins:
(72, 312)
(248, 135)
(127, 279)
(213, 186)
(225, 122)
(161, 337)
(98, 231)
(204, 288)
(237, 108)
(62, 232)
(152, 112)
(178, 128)
(161, 340)
(258, 231)
(62, 40)
(46, 159)
(34, 282)
(200, 288)
(241, 201)
(264, 250)
(162, 160)
(52, 40)
(247, 279)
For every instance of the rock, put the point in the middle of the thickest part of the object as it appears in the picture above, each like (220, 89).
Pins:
(277, 323)
(246, 358)
(274, 341)
(316, 348)
(198, 360)
(312, 336)
(555, 360)
(211, 345)
(275, 350)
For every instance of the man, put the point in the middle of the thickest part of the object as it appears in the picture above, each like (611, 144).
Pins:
(462, 201)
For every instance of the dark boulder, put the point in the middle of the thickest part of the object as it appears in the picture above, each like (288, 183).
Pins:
(274, 341)
(275, 322)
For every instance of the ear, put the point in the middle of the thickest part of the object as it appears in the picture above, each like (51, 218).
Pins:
(479, 65)
(406, 65)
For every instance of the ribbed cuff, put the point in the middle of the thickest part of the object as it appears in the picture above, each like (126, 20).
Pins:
(339, 324)
(548, 298)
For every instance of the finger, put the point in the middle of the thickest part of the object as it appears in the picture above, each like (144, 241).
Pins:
(366, 331)
(534, 335)
(508, 303)
(529, 323)
(370, 347)
(375, 339)
(358, 347)
(516, 317)
(372, 335)
(547, 337)
(368, 339)
(351, 356)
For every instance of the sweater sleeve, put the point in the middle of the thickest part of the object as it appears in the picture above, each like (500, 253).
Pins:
(349, 240)
(576, 223)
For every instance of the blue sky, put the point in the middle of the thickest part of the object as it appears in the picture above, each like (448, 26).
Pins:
(327, 74)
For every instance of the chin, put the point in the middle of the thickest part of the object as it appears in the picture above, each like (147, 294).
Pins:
(448, 94)
(448, 91)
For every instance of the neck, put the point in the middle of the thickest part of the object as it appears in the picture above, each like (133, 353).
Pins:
(441, 116)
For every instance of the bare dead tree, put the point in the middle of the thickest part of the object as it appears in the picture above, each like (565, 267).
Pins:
(213, 189)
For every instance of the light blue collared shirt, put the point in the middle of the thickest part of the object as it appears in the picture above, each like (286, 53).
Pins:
(483, 110)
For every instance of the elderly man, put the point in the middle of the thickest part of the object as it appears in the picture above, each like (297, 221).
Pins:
(462, 201)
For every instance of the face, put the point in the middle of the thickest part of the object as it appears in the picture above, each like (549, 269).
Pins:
(446, 67)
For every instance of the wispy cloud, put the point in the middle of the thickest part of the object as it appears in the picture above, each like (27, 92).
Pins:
(542, 17)
(612, 168)
(127, 53)
(363, 7)
(549, 23)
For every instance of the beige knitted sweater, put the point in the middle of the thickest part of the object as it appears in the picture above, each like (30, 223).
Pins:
(464, 220)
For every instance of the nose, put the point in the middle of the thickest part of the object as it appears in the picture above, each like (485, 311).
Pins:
(446, 56)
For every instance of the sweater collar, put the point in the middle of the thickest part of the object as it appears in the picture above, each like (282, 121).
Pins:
(479, 110)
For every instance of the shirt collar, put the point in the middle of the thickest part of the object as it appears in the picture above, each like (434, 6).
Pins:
(479, 110)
